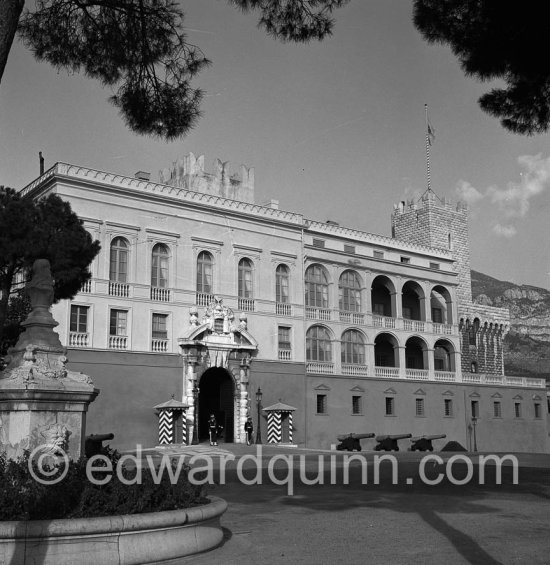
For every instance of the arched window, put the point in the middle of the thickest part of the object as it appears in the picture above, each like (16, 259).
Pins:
(316, 287)
(282, 277)
(349, 289)
(118, 268)
(159, 266)
(353, 348)
(205, 268)
(245, 278)
(318, 344)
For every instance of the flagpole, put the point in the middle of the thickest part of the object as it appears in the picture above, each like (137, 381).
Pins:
(427, 148)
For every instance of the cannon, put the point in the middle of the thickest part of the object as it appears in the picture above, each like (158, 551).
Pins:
(424, 443)
(350, 442)
(93, 444)
(389, 443)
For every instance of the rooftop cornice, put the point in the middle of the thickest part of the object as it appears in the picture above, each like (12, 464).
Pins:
(65, 170)
(374, 239)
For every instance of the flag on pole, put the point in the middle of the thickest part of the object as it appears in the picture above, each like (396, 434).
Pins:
(431, 134)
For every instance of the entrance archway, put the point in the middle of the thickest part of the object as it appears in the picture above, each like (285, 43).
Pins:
(217, 396)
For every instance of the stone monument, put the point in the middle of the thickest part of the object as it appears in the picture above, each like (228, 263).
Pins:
(42, 402)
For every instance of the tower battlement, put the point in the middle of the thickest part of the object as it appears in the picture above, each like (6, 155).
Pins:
(436, 222)
(189, 173)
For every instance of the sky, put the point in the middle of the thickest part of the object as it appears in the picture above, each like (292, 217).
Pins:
(335, 130)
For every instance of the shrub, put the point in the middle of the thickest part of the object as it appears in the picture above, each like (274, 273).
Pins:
(24, 498)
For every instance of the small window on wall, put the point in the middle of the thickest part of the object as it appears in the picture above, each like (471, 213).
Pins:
(435, 266)
(160, 326)
(419, 407)
(321, 404)
(517, 409)
(356, 405)
(118, 324)
(475, 409)
(405, 259)
(538, 411)
(448, 407)
(497, 409)
(79, 319)
(349, 248)
(390, 406)
(378, 254)
(318, 242)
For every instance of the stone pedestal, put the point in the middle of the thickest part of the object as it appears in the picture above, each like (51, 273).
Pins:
(42, 402)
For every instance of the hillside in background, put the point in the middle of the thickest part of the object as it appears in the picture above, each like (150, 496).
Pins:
(527, 345)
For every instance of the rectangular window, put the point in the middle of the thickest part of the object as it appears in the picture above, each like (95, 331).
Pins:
(407, 313)
(538, 413)
(475, 409)
(390, 406)
(118, 322)
(434, 266)
(318, 242)
(349, 248)
(497, 409)
(378, 309)
(160, 328)
(356, 405)
(284, 338)
(437, 315)
(448, 406)
(378, 254)
(79, 319)
(517, 409)
(405, 259)
(321, 404)
(420, 407)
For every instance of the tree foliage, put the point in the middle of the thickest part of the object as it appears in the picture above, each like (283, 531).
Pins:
(497, 40)
(140, 50)
(43, 229)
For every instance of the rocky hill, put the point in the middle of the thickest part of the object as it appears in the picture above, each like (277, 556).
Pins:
(527, 345)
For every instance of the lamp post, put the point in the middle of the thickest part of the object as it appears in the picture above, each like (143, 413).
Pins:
(474, 422)
(195, 440)
(259, 406)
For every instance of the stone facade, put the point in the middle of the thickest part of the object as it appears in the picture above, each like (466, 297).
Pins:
(333, 321)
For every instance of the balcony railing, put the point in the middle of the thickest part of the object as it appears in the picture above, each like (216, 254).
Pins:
(118, 342)
(285, 354)
(386, 372)
(413, 325)
(119, 289)
(501, 380)
(417, 374)
(317, 313)
(160, 294)
(159, 345)
(354, 370)
(282, 309)
(86, 288)
(204, 299)
(383, 321)
(445, 376)
(246, 304)
(446, 329)
(78, 339)
(320, 368)
(352, 317)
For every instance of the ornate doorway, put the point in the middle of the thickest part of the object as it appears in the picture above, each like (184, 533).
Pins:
(217, 352)
(217, 396)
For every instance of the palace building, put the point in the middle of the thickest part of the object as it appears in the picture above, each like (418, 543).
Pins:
(200, 299)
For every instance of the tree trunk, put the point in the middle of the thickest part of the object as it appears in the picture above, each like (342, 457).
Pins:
(10, 12)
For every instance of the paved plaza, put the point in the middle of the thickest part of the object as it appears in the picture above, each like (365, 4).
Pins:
(363, 522)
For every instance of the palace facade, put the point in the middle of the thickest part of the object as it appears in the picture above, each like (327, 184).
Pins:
(200, 297)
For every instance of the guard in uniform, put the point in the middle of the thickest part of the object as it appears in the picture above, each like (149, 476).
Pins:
(213, 430)
(249, 429)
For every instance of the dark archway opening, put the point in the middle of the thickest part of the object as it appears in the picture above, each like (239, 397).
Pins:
(216, 396)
